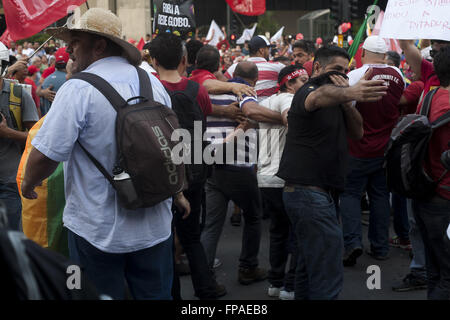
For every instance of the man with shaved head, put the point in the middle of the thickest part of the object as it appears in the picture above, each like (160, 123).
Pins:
(236, 179)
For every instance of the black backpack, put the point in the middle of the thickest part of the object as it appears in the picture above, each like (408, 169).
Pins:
(406, 152)
(31, 272)
(186, 107)
(143, 135)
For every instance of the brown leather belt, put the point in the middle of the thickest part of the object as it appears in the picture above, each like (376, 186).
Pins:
(314, 188)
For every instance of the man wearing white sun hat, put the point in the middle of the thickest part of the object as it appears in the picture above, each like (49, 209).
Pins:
(110, 242)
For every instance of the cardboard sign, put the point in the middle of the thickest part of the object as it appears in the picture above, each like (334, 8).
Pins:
(417, 19)
(175, 16)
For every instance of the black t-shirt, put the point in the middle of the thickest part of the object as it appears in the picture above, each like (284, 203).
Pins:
(316, 144)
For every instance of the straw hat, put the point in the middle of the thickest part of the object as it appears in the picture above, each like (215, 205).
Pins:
(103, 23)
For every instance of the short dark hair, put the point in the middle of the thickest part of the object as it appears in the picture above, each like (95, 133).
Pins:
(285, 71)
(208, 58)
(304, 45)
(192, 48)
(246, 70)
(394, 57)
(325, 54)
(281, 59)
(441, 64)
(167, 49)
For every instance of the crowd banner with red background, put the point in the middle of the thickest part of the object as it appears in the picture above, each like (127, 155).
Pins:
(248, 7)
(25, 18)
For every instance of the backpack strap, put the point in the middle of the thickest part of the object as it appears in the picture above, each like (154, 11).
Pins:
(145, 87)
(15, 105)
(104, 87)
(98, 165)
(192, 89)
(427, 102)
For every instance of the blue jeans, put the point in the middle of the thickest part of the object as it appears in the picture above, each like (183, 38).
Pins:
(319, 271)
(433, 218)
(11, 198)
(417, 266)
(148, 272)
(366, 174)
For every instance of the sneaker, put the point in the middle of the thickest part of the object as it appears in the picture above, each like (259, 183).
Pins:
(377, 256)
(235, 219)
(248, 276)
(287, 295)
(409, 283)
(350, 256)
(217, 263)
(274, 291)
(397, 242)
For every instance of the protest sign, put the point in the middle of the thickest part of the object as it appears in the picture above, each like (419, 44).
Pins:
(175, 16)
(417, 19)
(247, 34)
(215, 35)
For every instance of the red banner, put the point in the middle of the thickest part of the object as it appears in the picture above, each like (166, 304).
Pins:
(25, 18)
(248, 7)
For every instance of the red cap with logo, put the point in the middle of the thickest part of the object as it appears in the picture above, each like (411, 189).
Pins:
(61, 55)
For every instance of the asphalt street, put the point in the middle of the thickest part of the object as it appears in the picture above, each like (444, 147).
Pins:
(355, 278)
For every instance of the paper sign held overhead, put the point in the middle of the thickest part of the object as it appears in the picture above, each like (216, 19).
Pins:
(417, 19)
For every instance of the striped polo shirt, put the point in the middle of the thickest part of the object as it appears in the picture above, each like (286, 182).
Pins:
(266, 85)
(219, 128)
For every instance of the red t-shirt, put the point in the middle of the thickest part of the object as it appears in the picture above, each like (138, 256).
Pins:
(202, 97)
(428, 77)
(48, 72)
(36, 99)
(412, 94)
(201, 75)
(379, 117)
(439, 141)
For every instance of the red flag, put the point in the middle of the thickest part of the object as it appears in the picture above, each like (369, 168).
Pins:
(357, 56)
(25, 18)
(141, 44)
(6, 38)
(248, 7)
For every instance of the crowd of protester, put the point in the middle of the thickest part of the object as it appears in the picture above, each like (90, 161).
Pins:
(332, 121)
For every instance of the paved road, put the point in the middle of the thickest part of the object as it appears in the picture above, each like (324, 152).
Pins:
(355, 288)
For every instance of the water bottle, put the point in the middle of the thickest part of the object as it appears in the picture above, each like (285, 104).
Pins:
(128, 197)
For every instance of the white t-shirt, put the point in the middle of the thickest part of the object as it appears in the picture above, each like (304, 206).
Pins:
(272, 138)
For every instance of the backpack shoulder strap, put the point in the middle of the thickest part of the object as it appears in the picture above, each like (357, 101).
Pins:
(442, 120)
(192, 89)
(427, 103)
(15, 105)
(145, 86)
(104, 87)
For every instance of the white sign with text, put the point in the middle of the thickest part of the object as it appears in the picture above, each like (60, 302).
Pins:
(417, 19)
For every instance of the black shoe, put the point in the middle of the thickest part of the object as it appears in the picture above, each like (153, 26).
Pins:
(220, 290)
(249, 276)
(409, 283)
(235, 219)
(377, 256)
(350, 256)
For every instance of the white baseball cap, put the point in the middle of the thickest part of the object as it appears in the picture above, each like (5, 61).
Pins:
(375, 44)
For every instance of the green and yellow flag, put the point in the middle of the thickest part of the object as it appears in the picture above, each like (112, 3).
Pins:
(42, 218)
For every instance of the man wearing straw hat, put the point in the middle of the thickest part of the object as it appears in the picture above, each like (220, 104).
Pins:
(110, 242)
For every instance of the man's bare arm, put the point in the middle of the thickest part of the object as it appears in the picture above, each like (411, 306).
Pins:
(332, 95)
(39, 167)
(10, 133)
(257, 113)
(218, 87)
(413, 56)
(284, 116)
(353, 121)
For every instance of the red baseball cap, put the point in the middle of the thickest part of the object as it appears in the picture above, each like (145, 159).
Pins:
(61, 55)
(32, 70)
